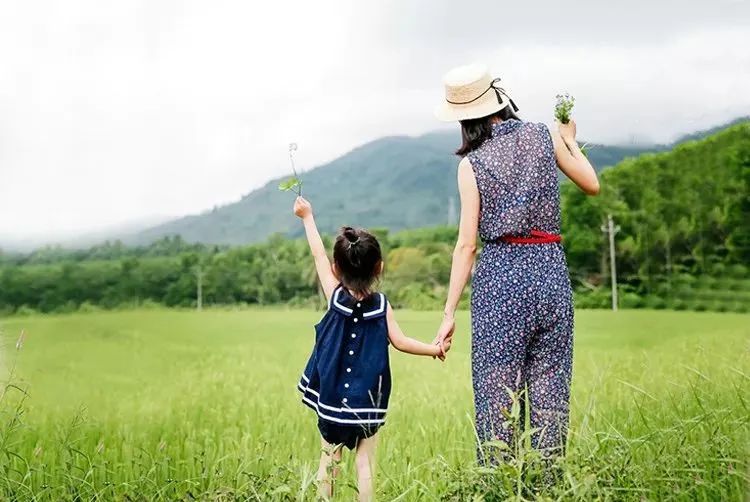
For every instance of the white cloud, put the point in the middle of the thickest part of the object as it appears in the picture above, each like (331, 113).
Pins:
(115, 111)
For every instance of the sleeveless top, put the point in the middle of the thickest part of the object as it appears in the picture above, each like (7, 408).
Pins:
(516, 175)
(347, 379)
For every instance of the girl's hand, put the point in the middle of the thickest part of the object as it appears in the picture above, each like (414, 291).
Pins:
(444, 348)
(439, 351)
(302, 208)
(567, 131)
(444, 335)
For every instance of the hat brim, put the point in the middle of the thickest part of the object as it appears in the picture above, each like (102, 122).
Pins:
(448, 112)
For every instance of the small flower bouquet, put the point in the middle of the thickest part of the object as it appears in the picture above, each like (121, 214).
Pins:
(294, 183)
(563, 107)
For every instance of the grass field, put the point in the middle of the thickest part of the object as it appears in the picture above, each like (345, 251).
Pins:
(154, 404)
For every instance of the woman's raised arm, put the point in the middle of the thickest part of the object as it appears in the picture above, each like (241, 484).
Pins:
(572, 162)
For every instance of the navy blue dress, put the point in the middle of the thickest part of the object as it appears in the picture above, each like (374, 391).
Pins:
(347, 380)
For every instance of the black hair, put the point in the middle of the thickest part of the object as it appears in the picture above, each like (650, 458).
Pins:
(358, 259)
(474, 132)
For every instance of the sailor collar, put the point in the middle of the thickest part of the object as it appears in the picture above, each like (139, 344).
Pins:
(344, 303)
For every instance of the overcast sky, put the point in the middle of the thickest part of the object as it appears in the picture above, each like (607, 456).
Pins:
(112, 112)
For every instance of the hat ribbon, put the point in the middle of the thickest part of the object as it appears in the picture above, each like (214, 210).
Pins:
(498, 91)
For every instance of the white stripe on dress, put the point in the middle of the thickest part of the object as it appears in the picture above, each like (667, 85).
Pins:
(341, 410)
(342, 420)
(379, 310)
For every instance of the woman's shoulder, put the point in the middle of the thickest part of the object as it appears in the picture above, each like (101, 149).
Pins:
(538, 127)
(539, 133)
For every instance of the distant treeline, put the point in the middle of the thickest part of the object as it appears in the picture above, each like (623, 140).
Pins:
(684, 242)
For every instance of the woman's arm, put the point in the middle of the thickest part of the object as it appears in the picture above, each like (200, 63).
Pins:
(409, 345)
(466, 246)
(572, 161)
(328, 281)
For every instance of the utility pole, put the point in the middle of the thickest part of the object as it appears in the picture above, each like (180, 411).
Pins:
(451, 211)
(610, 229)
(199, 292)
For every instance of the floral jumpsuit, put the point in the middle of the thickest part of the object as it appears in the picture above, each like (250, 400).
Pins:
(521, 304)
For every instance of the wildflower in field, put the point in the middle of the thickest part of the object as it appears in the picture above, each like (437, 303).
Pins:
(294, 183)
(21, 339)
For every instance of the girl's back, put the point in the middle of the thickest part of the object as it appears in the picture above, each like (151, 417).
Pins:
(348, 379)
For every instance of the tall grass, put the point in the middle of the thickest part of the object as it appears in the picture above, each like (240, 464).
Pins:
(161, 405)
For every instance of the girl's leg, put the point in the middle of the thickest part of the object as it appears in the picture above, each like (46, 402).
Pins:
(328, 469)
(365, 462)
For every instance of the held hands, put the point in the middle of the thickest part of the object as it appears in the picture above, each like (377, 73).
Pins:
(302, 208)
(444, 337)
(567, 131)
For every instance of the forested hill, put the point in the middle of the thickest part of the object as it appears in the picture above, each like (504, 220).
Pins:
(684, 242)
(393, 182)
(682, 212)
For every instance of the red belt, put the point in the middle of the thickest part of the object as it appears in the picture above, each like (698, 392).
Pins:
(534, 237)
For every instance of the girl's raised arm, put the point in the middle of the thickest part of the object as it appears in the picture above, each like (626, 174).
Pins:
(303, 209)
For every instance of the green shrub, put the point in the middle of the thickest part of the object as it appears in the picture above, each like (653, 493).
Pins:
(684, 280)
(66, 308)
(631, 300)
(592, 299)
(738, 271)
(89, 307)
(677, 304)
(416, 296)
(706, 282)
(25, 310)
(698, 305)
(150, 304)
(720, 306)
(308, 302)
(654, 302)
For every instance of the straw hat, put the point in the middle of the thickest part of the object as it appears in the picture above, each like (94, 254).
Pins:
(471, 93)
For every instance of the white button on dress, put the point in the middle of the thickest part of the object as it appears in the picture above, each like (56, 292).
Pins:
(348, 370)
(354, 335)
(344, 400)
(346, 385)
(355, 319)
(351, 352)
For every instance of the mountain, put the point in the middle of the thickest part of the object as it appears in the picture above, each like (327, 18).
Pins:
(393, 182)
(81, 240)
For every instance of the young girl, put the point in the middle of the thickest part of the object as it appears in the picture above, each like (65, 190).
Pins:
(347, 380)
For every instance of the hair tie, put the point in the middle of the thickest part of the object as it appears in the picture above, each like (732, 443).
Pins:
(353, 243)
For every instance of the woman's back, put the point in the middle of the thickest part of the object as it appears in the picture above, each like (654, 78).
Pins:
(516, 175)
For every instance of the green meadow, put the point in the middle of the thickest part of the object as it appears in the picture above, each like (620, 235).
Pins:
(181, 405)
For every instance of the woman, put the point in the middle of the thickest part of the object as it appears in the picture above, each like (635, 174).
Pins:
(521, 302)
